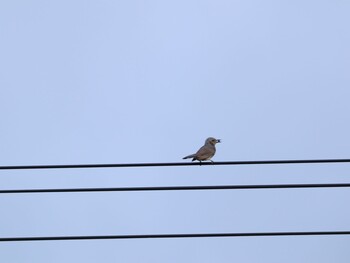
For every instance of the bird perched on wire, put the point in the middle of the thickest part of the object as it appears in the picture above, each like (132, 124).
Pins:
(206, 152)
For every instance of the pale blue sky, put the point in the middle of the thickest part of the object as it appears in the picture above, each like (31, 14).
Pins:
(149, 81)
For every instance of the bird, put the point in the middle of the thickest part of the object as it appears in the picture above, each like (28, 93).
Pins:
(206, 152)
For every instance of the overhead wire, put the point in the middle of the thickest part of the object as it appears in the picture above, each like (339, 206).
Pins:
(174, 188)
(159, 236)
(73, 166)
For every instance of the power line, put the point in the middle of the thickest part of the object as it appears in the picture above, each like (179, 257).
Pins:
(154, 236)
(71, 166)
(174, 188)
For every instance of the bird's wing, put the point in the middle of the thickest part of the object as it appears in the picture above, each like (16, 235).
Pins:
(205, 152)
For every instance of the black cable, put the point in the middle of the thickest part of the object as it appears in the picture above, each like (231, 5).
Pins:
(174, 188)
(266, 234)
(70, 166)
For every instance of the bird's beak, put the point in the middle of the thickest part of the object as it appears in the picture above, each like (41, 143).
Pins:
(218, 140)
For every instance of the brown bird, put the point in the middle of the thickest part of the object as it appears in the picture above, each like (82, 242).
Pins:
(206, 152)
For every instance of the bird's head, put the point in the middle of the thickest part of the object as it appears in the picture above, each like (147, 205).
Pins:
(212, 141)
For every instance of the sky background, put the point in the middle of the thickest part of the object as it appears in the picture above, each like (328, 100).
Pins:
(148, 81)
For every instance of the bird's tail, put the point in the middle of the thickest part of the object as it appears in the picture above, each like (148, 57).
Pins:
(189, 156)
